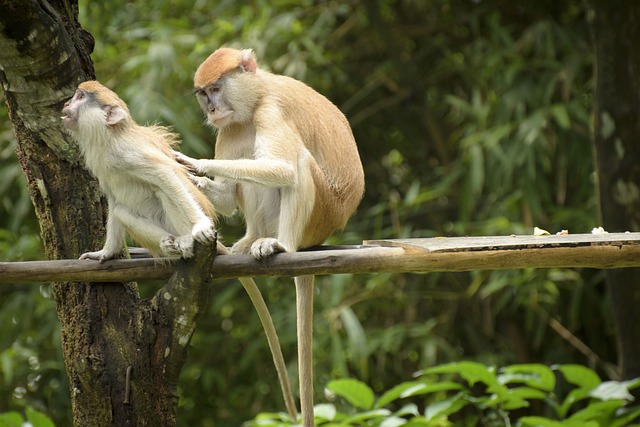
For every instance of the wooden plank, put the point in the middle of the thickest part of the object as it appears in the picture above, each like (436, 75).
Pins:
(487, 243)
(615, 250)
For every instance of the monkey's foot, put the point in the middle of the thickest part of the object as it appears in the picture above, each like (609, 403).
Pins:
(265, 247)
(204, 232)
(101, 255)
(243, 246)
(177, 246)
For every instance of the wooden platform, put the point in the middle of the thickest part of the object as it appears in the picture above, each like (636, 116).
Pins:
(613, 250)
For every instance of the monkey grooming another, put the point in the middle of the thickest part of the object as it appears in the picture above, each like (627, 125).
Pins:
(150, 194)
(286, 156)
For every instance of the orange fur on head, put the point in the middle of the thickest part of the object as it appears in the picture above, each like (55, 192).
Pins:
(218, 63)
(105, 95)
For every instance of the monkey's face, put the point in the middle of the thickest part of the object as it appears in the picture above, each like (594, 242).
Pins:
(94, 105)
(72, 108)
(213, 101)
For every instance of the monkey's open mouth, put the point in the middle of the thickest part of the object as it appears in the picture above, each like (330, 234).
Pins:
(67, 120)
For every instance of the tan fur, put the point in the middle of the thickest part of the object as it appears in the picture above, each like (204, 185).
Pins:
(151, 196)
(289, 157)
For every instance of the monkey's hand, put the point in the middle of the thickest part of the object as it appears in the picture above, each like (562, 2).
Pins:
(190, 163)
(204, 232)
(101, 255)
(201, 182)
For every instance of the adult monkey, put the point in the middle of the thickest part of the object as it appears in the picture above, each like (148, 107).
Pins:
(150, 195)
(286, 156)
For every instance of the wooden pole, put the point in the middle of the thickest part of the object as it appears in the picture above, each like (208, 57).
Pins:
(614, 250)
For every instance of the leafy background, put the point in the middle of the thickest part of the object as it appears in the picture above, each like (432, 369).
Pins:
(472, 118)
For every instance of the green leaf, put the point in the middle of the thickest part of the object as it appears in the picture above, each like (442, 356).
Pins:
(417, 422)
(631, 384)
(353, 391)
(624, 419)
(325, 411)
(408, 409)
(393, 422)
(574, 396)
(540, 422)
(11, 419)
(611, 390)
(598, 410)
(518, 397)
(365, 416)
(533, 375)
(414, 388)
(472, 372)
(38, 419)
(546, 422)
(445, 407)
(561, 116)
(580, 375)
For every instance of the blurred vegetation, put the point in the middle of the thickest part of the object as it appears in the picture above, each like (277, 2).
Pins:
(472, 118)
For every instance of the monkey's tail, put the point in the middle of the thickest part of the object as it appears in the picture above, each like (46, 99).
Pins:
(272, 337)
(304, 312)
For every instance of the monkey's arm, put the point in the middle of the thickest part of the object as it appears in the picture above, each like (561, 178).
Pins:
(115, 238)
(269, 172)
(276, 156)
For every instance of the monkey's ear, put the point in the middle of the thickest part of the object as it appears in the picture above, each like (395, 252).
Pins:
(115, 114)
(248, 61)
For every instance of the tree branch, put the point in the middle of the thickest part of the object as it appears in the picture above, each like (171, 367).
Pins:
(179, 305)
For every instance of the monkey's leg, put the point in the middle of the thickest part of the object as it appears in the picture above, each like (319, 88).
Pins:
(153, 237)
(261, 208)
(114, 241)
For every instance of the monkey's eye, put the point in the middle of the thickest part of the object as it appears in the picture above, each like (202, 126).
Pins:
(80, 95)
(214, 89)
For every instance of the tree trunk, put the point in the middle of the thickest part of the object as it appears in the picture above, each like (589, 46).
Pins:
(617, 145)
(123, 355)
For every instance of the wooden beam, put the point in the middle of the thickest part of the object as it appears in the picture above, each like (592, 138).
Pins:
(614, 250)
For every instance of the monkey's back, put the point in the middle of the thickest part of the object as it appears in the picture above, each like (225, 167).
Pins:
(327, 135)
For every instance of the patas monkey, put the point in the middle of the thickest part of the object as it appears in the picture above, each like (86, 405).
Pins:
(150, 195)
(286, 156)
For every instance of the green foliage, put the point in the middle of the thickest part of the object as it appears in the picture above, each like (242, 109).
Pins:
(32, 417)
(471, 393)
(472, 118)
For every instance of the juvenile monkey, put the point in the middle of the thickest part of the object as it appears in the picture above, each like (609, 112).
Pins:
(284, 155)
(150, 194)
